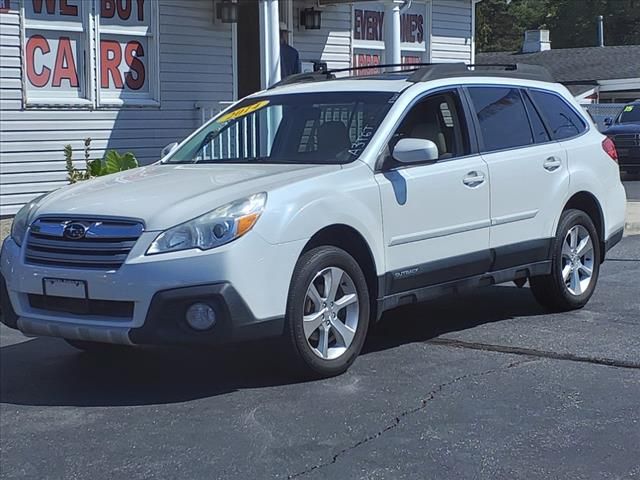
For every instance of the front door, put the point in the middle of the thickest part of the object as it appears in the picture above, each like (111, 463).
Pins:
(436, 216)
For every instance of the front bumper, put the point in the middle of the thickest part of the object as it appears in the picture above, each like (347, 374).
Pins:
(164, 323)
(246, 282)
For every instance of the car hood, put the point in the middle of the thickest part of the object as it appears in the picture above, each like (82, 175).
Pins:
(623, 128)
(167, 195)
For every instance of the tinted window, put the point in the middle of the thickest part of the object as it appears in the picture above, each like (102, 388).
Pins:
(540, 134)
(630, 114)
(437, 118)
(502, 116)
(563, 121)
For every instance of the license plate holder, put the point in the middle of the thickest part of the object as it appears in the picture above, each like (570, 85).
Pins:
(62, 287)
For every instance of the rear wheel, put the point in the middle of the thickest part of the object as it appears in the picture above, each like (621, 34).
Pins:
(327, 311)
(575, 264)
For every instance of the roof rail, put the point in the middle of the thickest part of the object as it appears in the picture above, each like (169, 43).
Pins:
(424, 72)
(329, 74)
(460, 69)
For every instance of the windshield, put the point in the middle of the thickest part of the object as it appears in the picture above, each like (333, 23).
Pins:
(630, 114)
(325, 128)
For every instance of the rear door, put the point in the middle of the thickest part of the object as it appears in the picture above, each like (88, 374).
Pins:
(528, 171)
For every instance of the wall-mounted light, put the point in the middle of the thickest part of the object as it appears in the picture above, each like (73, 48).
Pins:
(227, 11)
(311, 19)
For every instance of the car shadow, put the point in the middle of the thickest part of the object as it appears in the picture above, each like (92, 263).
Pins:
(48, 372)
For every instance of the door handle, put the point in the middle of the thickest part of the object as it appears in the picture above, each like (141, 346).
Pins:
(552, 164)
(473, 179)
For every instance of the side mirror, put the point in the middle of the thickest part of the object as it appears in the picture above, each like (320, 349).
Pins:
(415, 150)
(608, 121)
(168, 149)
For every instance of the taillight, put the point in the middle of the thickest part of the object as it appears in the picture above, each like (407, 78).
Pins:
(610, 148)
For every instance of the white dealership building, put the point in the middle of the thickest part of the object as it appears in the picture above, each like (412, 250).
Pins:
(135, 75)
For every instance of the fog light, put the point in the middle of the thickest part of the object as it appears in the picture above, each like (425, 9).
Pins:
(200, 316)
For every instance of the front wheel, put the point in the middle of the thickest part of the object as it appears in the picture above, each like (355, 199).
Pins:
(327, 311)
(576, 259)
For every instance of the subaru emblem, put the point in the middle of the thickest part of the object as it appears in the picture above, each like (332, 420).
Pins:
(75, 231)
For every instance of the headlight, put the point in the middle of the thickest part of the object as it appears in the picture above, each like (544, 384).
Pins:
(220, 226)
(22, 220)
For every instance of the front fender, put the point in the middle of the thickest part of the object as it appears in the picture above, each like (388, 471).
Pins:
(349, 196)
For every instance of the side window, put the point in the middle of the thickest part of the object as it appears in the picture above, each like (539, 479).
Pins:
(502, 117)
(563, 121)
(540, 134)
(438, 118)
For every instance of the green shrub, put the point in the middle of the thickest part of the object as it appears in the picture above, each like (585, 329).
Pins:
(112, 162)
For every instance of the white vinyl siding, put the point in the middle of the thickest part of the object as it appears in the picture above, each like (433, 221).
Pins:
(195, 67)
(451, 31)
(332, 43)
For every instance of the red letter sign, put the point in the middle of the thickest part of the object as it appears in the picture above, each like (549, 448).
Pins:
(65, 67)
(37, 79)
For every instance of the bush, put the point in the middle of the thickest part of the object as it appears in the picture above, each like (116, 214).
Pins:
(112, 162)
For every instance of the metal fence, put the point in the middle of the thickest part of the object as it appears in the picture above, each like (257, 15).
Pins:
(600, 111)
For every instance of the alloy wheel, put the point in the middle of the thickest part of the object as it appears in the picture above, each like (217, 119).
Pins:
(330, 313)
(577, 260)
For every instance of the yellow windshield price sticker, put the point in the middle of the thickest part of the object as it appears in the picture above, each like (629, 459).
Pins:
(241, 112)
(628, 108)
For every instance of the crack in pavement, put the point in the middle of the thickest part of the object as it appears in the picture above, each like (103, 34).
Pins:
(532, 352)
(623, 260)
(398, 418)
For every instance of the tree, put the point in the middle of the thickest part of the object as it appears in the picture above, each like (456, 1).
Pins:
(500, 24)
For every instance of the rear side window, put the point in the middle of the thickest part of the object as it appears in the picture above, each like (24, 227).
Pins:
(540, 134)
(502, 117)
(562, 120)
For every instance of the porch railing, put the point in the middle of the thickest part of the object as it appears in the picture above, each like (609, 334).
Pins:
(239, 140)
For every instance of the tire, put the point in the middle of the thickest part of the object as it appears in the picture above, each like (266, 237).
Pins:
(342, 317)
(569, 285)
(97, 348)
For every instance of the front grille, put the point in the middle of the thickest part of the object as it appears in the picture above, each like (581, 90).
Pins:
(78, 306)
(101, 244)
(627, 140)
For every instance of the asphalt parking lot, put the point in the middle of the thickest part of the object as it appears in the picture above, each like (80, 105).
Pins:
(485, 385)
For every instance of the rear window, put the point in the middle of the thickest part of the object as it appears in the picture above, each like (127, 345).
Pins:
(502, 117)
(539, 131)
(561, 118)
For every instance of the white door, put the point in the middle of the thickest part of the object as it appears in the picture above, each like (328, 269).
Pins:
(436, 216)
(529, 175)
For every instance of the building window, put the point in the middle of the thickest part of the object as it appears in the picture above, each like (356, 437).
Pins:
(368, 34)
(126, 36)
(81, 53)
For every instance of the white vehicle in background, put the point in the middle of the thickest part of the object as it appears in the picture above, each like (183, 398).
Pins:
(307, 210)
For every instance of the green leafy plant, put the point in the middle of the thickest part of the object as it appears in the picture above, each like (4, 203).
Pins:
(112, 162)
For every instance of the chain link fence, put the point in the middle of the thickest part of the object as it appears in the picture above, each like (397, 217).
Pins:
(600, 111)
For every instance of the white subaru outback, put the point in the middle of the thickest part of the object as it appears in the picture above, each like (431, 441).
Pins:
(307, 210)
